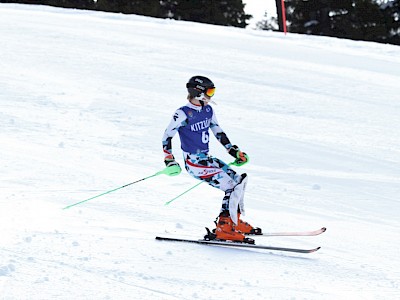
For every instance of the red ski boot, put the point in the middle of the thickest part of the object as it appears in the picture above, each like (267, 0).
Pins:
(246, 228)
(226, 231)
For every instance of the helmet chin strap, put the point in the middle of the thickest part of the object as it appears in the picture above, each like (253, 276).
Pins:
(203, 100)
(200, 98)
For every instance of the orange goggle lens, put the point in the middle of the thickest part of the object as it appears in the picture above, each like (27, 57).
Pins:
(210, 92)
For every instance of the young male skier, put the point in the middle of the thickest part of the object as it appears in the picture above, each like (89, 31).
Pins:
(193, 122)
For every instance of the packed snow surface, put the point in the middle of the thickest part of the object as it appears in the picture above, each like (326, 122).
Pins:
(84, 101)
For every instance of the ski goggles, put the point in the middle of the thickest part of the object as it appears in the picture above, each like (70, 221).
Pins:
(210, 92)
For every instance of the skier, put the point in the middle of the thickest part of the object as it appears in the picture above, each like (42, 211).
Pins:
(193, 122)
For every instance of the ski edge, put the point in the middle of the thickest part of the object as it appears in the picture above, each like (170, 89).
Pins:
(296, 233)
(238, 245)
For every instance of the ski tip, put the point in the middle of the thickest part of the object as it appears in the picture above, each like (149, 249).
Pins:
(315, 249)
(323, 229)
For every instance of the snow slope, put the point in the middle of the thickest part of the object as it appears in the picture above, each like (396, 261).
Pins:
(84, 100)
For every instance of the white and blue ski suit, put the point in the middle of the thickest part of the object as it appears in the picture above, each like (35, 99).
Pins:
(193, 123)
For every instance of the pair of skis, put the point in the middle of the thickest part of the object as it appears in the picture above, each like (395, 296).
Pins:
(245, 245)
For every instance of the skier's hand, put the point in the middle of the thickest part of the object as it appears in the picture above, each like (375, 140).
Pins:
(172, 167)
(241, 157)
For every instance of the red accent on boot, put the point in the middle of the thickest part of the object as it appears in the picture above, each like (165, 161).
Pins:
(243, 226)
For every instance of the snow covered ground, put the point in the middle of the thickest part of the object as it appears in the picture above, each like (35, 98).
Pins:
(84, 100)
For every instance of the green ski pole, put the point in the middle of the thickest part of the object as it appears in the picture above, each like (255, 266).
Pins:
(164, 171)
(168, 202)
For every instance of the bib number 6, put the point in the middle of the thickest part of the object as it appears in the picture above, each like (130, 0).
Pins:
(204, 137)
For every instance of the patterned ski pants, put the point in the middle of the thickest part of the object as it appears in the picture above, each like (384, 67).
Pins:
(219, 175)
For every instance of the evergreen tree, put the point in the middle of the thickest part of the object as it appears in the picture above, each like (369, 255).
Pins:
(22, 1)
(391, 12)
(268, 23)
(81, 4)
(353, 19)
(140, 7)
(218, 12)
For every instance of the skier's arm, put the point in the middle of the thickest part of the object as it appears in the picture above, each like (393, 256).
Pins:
(241, 157)
(178, 120)
(219, 133)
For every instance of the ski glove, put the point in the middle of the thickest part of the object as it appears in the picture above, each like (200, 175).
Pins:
(172, 167)
(241, 157)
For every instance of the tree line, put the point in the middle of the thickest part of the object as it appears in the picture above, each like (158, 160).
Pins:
(217, 12)
(369, 20)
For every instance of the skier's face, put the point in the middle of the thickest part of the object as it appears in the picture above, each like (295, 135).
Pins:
(206, 98)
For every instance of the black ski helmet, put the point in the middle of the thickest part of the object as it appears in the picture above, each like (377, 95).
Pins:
(198, 85)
